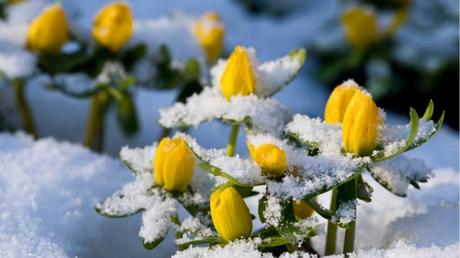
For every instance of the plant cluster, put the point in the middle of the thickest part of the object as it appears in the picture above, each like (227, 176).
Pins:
(293, 159)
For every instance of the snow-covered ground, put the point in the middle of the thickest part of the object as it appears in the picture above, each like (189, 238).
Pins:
(48, 188)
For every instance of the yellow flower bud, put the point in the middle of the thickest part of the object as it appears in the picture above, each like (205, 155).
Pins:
(360, 125)
(113, 26)
(360, 26)
(230, 214)
(338, 101)
(271, 158)
(209, 32)
(174, 164)
(49, 31)
(238, 77)
(301, 210)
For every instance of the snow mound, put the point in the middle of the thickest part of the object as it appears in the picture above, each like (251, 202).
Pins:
(48, 190)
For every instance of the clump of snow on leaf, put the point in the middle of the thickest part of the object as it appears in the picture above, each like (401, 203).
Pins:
(266, 115)
(397, 173)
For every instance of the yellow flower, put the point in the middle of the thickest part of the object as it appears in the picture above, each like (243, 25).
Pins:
(174, 164)
(209, 32)
(271, 158)
(338, 101)
(238, 77)
(301, 210)
(360, 26)
(49, 31)
(230, 214)
(113, 26)
(360, 125)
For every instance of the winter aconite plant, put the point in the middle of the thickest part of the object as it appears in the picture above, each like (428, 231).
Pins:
(292, 160)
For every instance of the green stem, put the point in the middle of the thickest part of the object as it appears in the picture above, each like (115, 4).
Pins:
(232, 140)
(331, 235)
(23, 107)
(94, 133)
(349, 242)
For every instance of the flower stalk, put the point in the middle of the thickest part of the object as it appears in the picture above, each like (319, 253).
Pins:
(331, 235)
(23, 107)
(94, 133)
(232, 140)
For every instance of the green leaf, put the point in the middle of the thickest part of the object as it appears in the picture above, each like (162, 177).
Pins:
(133, 54)
(206, 240)
(414, 124)
(412, 142)
(116, 216)
(364, 190)
(273, 241)
(261, 208)
(126, 113)
(429, 111)
(153, 244)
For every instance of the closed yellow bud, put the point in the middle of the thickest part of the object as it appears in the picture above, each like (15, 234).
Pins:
(49, 31)
(338, 101)
(360, 26)
(113, 26)
(301, 210)
(209, 32)
(238, 77)
(230, 214)
(360, 125)
(174, 164)
(271, 158)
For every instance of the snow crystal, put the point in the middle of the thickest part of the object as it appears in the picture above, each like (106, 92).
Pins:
(267, 115)
(315, 132)
(139, 160)
(316, 173)
(157, 219)
(273, 211)
(15, 62)
(243, 170)
(133, 197)
(345, 214)
(397, 173)
(236, 249)
(192, 228)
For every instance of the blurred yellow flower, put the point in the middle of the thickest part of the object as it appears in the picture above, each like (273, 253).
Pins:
(238, 77)
(271, 158)
(113, 26)
(360, 125)
(49, 31)
(360, 26)
(338, 101)
(301, 210)
(209, 31)
(173, 164)
(230, 214)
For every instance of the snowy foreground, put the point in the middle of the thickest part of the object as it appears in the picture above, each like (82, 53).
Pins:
(48, 190)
